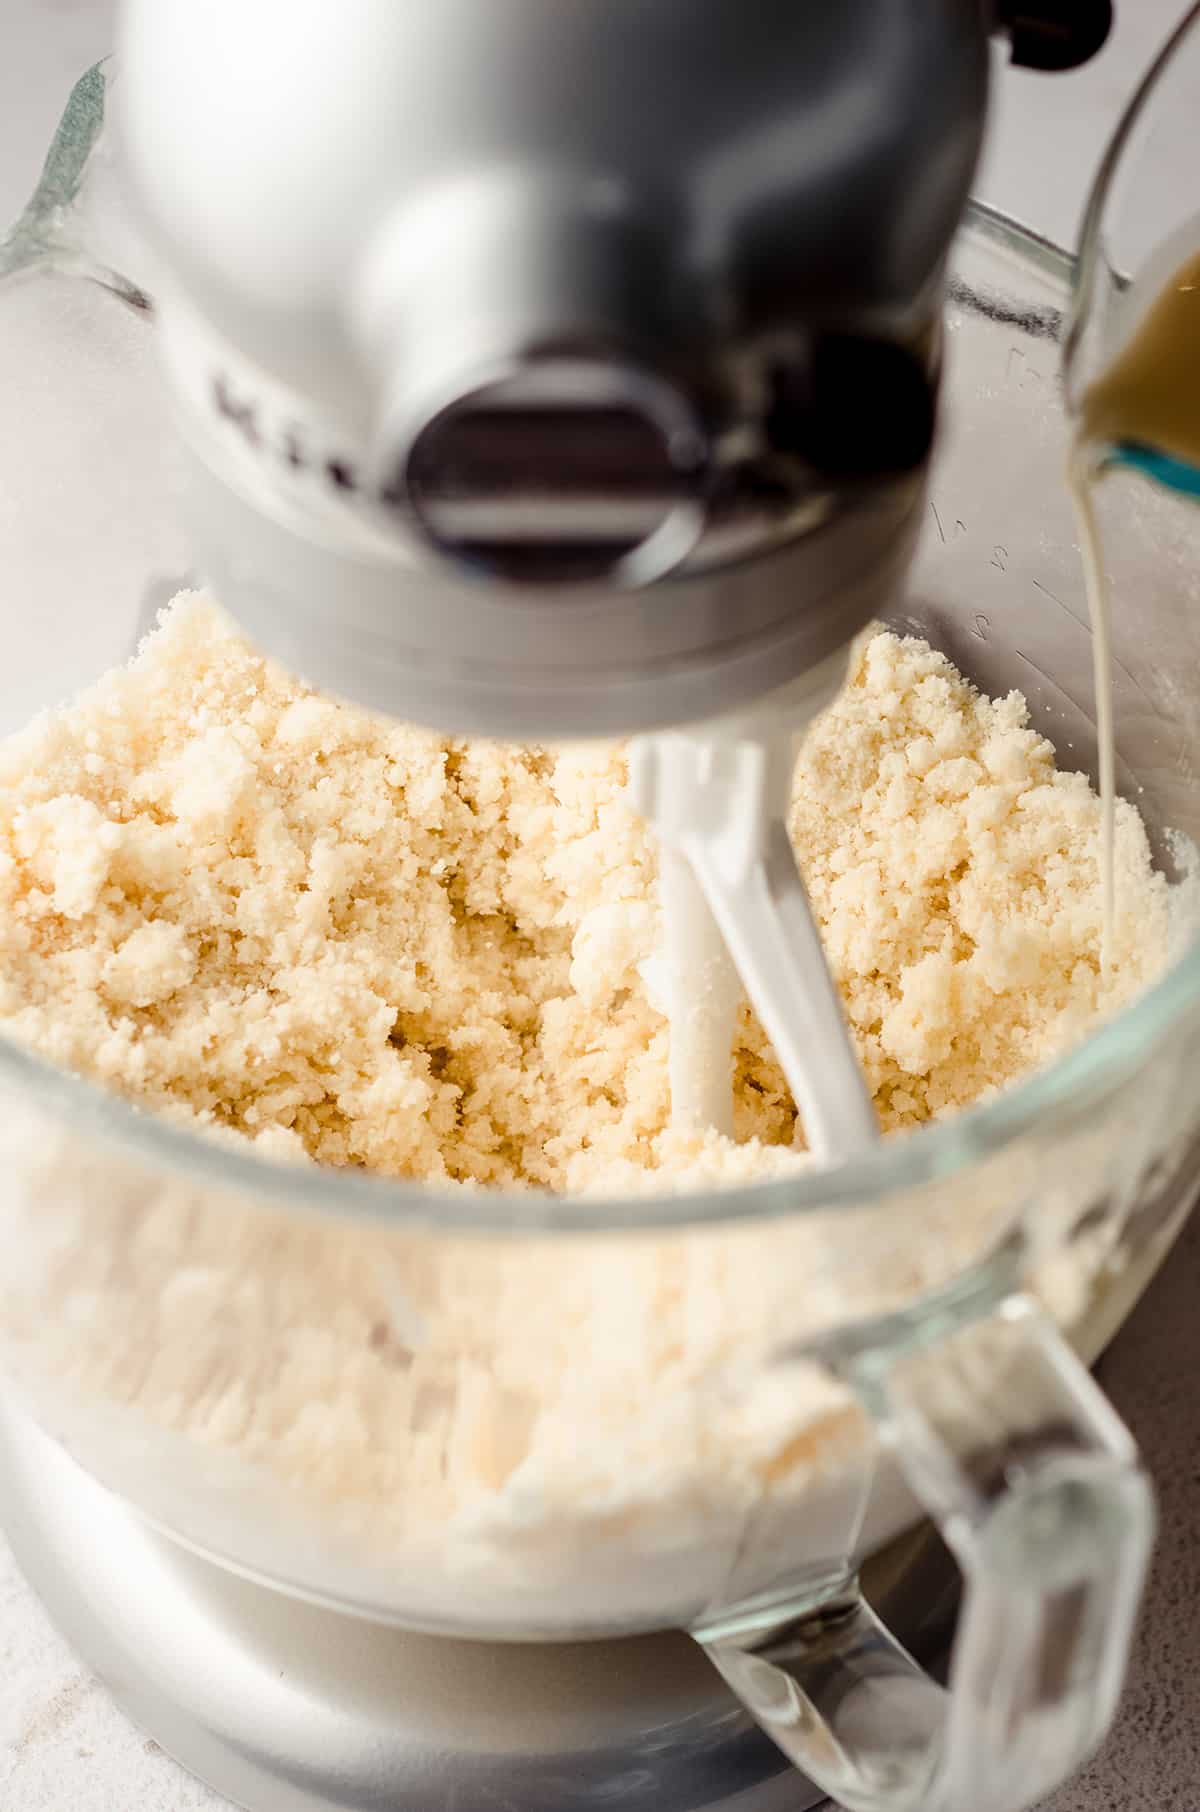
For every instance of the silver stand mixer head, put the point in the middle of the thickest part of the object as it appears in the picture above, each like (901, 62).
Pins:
(554, 371)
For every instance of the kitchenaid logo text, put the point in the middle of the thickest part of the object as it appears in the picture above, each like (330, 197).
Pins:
(289, 444)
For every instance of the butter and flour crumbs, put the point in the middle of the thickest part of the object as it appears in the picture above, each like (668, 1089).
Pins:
(245, 904)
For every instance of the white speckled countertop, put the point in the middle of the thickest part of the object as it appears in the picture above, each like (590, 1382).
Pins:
(63, 1746)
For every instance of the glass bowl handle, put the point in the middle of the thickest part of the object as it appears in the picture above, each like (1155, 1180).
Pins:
(1035, 1484)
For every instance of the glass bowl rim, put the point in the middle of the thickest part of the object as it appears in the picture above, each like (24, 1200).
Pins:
(934, 1152)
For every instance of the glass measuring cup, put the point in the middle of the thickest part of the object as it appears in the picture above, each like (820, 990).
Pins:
(877, 1349)
(1141, 228)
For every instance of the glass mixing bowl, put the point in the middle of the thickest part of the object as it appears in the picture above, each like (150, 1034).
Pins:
(507, 1416)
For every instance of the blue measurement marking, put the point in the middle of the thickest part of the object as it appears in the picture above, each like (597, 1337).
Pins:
(1176, 474)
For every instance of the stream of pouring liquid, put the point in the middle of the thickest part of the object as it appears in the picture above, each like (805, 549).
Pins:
(1144, 412)
(1082, 477)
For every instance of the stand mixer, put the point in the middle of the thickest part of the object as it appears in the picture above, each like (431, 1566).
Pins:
(571, 371)
(582, 384)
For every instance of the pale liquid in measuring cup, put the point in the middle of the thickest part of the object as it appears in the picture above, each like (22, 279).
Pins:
(1143, 411)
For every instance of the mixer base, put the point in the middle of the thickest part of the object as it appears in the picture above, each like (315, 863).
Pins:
(285, 1706)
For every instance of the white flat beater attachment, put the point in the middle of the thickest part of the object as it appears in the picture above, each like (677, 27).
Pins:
(736, 914)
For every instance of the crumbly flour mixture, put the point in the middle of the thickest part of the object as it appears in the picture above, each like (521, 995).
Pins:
(242, 902)
(258, 910)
